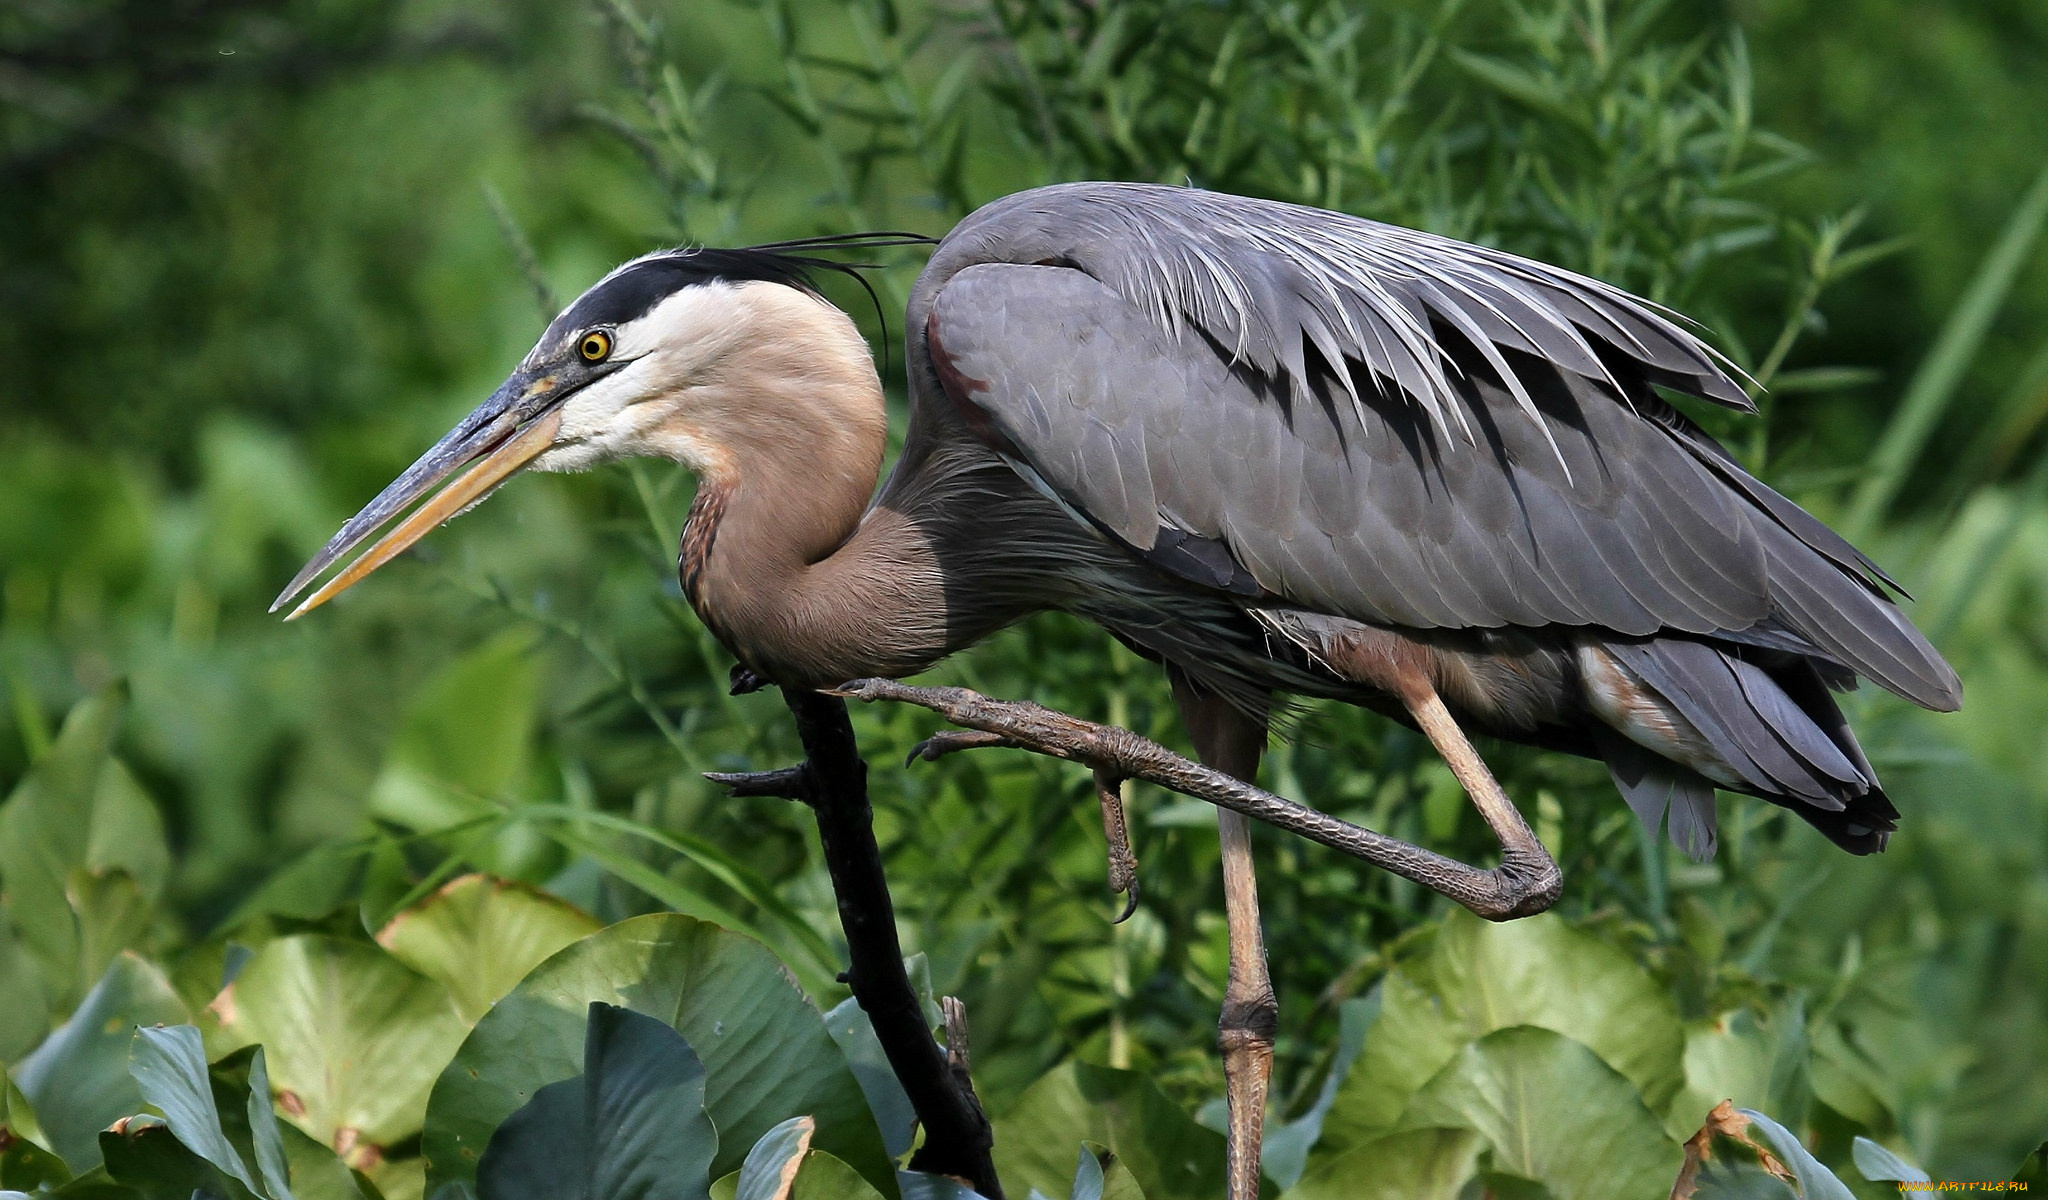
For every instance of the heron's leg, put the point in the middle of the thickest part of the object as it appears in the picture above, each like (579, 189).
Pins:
(1518, 842)
(1526, 881)
(1233, 742)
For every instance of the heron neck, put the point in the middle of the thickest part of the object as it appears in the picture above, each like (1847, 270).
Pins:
(782, 557)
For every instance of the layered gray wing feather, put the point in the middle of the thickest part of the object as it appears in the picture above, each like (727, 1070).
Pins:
(1378, 424)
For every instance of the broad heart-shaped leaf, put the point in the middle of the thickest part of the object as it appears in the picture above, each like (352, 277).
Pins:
(849, 1026)
(823, 1177)
(77, 809)
(142, 1153)
(169, 1066)
(631, 1127)
(354, 1038)
(1415, 1164)
(766, 1054)
(78, 1079)
(1478, 977)
(1552, 1111)
(770, 1169)
(480, 936)
(1170, 1156)
(1752, 1058)
(1100, 1175)
(317, 1172)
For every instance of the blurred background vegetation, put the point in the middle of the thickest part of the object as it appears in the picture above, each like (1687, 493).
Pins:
(255, 254)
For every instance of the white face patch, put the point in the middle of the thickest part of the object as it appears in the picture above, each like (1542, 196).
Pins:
(634, 411)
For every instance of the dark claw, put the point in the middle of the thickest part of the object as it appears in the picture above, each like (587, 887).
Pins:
(744, 680)
(1130, 903)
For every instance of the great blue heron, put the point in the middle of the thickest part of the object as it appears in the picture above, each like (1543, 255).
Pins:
(1278, 449)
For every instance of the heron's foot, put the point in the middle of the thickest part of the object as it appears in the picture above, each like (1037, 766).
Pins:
(744, 680)
(1526, 882)
(1123, 863)
(952, 741)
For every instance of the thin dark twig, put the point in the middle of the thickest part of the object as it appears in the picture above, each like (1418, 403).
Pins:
(833, 781)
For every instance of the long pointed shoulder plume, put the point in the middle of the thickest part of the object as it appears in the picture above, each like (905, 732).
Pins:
(1267, 281)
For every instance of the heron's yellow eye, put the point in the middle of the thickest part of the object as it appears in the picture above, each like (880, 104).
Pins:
(596, 346)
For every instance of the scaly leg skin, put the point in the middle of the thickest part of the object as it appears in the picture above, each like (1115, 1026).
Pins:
(1526, 881)
(1233, 742)
(1123, 863)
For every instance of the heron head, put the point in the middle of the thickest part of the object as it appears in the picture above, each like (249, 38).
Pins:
(649, 362)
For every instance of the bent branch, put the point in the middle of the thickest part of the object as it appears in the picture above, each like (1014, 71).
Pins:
(832, 780)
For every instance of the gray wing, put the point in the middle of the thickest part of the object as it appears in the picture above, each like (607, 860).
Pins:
(1236, 390)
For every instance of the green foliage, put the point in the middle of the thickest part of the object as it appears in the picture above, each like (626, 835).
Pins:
(765, 1050)
(631, 1125)
(243, 290)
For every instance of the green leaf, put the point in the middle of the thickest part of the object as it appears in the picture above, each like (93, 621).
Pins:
(110, 912)
(18, 1116)
(1517, 84)
(316, 1171)
(823, 1177)
(2033, 1170)
(169, 1066)
(464, 747)
(480, 936)
(354, 1038)
(1816, 1182)
(1479, 977)
(26, 1160)
(1551, 1111)
(1747, 1057)
(470, 727)
(631, 1127)
(1170, 1156)
(25, 1155)
(24, 998)
(1101, 1175)
(770, 1170)
(1880, 1165)
(75, 817)
(1940, 375)
(78, 1079)
(1285, 1153)
(272, 1160)
(1415, 1164)
(143, 1153)
(765, 1050)
(855, 1035)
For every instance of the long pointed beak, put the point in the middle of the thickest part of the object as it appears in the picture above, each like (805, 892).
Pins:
(511, 429)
